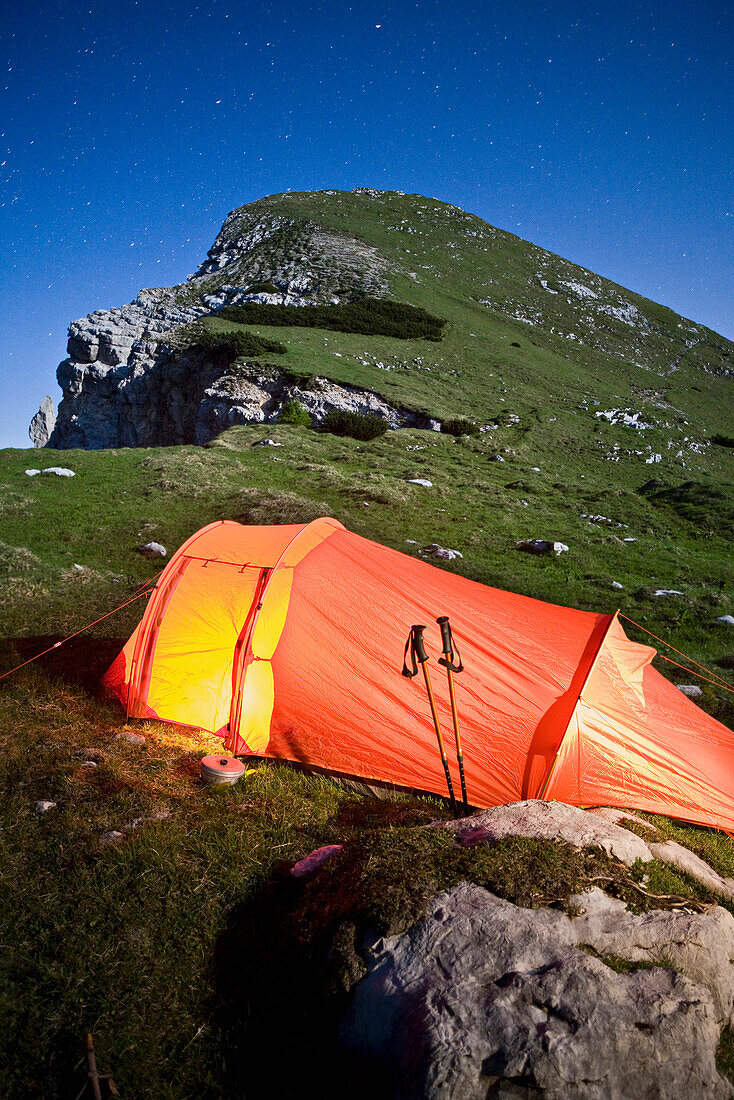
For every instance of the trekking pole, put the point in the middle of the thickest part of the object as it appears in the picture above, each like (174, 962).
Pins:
(418, 653)
(448, 662)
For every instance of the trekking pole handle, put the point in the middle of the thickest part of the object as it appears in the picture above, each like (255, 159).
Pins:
(417, 643)
(448, 646)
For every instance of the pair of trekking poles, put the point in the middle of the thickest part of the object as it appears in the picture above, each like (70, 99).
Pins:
(416, 650)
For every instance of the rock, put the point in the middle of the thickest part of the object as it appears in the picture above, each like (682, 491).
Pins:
(669, 851)
(442, 552)
(616, 584)
(611, 813)
(484, 998)
(32, 473)
(693, 691)
(59, 471)
(130, 737)
(266, 443)
(420, 481)
(666, 591)
(112, 836)
(43, 806)
(550, 821)
(728, 620)
(311, 863)
(541, 546)
(43, 423)
(152, 550)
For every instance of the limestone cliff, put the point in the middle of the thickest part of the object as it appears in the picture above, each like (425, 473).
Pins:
(125, 382)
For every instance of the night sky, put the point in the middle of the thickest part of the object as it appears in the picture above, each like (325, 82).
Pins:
(601, 131)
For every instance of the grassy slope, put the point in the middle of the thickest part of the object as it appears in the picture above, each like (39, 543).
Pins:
(140, 940)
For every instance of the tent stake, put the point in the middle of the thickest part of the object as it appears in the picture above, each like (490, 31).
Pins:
(448, 662)
(418, 652)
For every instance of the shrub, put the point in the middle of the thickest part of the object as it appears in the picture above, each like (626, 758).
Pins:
(459, 426)
(293, 412)
(237, 345)
(357, 425)
(367, 316)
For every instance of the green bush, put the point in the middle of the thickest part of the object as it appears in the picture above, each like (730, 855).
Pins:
(459, 426)
(293, 412)
(237, 345)
(357, 425)
(367, 316)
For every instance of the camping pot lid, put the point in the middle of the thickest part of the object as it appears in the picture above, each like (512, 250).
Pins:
(226, 766)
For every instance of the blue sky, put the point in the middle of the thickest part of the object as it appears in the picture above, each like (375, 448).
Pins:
(601, 131)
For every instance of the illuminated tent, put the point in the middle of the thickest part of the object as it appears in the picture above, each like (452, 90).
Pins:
(288, 641)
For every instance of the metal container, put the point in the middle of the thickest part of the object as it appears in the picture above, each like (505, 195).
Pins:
(221, 771)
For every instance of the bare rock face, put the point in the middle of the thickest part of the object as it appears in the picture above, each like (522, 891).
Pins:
(42, 424)
(487, 999)
(125, 386)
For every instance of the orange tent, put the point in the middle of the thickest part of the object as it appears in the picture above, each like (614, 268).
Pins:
(288, 642)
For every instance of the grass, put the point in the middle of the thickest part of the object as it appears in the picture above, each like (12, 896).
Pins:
(186, 947)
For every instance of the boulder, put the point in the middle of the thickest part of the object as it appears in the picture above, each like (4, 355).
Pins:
(550, 821)
(727, 620)
(58, 471)
(669, 851)
(43, 423)
(484, 998)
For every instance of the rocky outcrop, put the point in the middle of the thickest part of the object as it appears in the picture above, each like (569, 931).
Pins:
(42, 424)
(484, 998)
(124, 385)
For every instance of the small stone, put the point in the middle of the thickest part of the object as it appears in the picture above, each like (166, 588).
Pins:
(541, 546)
(43, 806)
(59, 471)
(667, 592)
(90, 764)
(616, 584)
(110, 837)
(131, 738)
(310, 863)
(32, 473)
(266, 443)
(436, 551)
(420, 481)
(152, 550)
(693, 691)
(79, 568)
(728, 620)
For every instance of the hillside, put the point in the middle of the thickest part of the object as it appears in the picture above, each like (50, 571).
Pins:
(160, 914)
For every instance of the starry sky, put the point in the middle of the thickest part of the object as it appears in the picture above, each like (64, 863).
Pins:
(128, 130)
